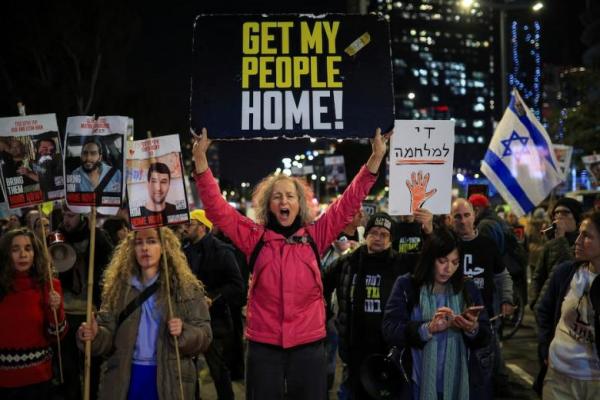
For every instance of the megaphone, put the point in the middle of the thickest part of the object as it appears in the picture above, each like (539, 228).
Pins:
(383, 377)
(62, 254)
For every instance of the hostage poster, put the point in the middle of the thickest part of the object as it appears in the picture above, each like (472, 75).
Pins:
(421, 160)
(291, 76)
(155, 185)
(32, 170)
(94, 160)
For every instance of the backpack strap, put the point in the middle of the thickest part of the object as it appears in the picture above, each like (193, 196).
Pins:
(254, 254)
(135, 303)
(292, 240)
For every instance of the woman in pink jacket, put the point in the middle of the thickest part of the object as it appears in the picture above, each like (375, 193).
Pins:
(286, 308)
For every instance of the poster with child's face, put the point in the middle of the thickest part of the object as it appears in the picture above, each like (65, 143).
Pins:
(32, 169)
(155, 185)
(94, 160)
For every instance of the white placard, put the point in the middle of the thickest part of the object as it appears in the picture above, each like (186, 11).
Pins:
(421, 159)
(94, 162)
(31, 160)
(563, 155)
(592, 164)
(155, 183)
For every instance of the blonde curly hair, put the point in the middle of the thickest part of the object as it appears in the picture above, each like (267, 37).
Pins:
(124, 265)
(264, 190)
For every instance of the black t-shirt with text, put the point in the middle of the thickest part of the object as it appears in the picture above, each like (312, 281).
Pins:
(480, 260)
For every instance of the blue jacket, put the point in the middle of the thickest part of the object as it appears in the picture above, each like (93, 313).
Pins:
(399, 330)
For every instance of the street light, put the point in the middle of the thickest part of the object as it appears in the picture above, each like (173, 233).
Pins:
(503, 7)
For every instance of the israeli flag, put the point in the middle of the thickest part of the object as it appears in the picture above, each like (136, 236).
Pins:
(520, 162)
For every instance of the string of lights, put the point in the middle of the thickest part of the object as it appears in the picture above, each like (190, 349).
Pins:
(531, 38)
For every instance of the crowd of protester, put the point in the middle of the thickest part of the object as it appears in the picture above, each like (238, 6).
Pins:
(299, 294)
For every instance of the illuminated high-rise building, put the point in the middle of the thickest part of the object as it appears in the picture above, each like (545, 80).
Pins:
(444, 68)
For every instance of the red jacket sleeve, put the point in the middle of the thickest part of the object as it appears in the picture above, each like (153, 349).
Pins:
(340, 213)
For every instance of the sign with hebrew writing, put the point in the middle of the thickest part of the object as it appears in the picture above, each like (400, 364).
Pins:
(155, 185)
(421, 158)
(291, 76)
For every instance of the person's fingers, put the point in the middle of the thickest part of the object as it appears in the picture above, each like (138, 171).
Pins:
(426, 179)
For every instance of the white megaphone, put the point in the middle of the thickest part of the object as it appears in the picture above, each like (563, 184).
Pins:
(62, 254)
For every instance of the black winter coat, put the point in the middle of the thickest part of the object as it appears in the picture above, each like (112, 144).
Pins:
(214, 264)
(338, 276)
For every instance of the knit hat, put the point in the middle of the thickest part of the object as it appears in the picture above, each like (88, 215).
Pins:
(479, 200)
(573, 205)
(382, 220)
(200, 216)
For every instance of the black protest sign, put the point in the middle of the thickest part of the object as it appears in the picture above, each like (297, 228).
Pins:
(291, 76)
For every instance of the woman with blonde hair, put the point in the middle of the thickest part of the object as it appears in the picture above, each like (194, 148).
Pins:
(286, 309)
(133, 328)
(27, 305)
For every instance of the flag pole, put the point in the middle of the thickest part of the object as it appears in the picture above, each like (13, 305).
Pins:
(169, 303)
(90, 293)
(51, 276)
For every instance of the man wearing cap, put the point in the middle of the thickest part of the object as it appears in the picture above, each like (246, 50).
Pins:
(566, 216)
(214, 263)
(363, 281)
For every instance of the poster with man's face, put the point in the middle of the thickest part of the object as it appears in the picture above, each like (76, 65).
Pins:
(592, 164)
(32, 169)
(155, 185)
(94, 160)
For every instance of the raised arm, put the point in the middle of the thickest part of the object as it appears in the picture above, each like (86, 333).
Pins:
(244, 232)
(341, 212)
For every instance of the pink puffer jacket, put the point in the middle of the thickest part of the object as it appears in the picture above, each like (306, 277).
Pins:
(285, 301)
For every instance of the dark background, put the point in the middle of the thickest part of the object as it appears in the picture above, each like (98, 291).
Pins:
(134, 58)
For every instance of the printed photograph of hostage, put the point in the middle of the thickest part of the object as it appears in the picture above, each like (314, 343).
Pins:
(93, 167)
(155, 183)
(159, 183)
(19, 181)
(48, 166)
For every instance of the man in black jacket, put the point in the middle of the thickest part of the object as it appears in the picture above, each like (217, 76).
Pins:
(214, 263)
(363, 280)
(75, 227)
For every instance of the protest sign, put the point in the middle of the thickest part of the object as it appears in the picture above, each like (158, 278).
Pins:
(335, 170)
(155, 185)
(32, 170)
(592, 164)
(94, 160)
(421, 158)
(563, 157)
(291, 76)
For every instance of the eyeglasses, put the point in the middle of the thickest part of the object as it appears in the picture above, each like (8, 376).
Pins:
(562, 211)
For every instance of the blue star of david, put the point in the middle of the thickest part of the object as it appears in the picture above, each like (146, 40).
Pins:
(514, 137)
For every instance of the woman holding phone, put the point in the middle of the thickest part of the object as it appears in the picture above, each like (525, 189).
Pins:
(438, 316)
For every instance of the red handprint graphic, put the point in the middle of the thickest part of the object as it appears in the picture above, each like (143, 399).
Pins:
(417, 187)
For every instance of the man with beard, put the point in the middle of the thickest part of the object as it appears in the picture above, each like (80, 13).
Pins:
(159, 182)
(94, 174)
(76, 230)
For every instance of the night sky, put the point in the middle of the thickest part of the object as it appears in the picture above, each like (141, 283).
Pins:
(145, 69)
